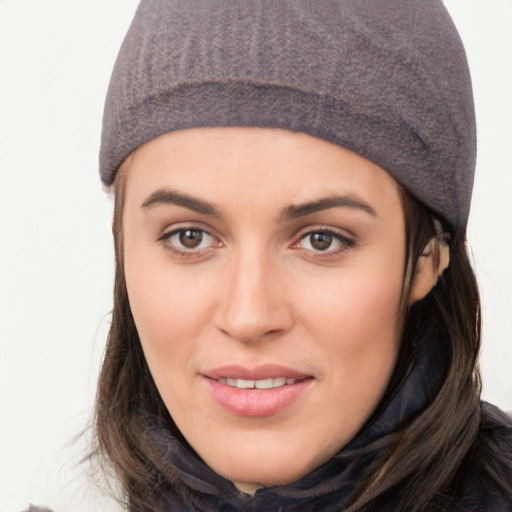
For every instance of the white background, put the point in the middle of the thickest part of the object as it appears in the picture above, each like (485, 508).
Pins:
(55, 245)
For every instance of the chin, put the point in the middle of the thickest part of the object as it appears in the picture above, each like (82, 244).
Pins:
(267, 463)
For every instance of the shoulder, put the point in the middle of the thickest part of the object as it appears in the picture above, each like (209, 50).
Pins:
(486, 479)
(495, 418)
(494, 442)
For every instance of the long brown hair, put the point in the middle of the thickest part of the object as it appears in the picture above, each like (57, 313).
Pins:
(423, 457)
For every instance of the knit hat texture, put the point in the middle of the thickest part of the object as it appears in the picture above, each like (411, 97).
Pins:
(387, 79)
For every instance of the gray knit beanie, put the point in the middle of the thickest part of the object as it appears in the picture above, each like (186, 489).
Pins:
(386, 78)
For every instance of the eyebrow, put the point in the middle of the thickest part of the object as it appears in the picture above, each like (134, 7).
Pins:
(164, 196)
(301, 210)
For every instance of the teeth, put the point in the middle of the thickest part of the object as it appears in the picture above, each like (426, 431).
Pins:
(258, 384)
(244, 384)
(264, 384)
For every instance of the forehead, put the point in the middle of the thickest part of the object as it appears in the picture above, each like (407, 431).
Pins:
(268, 165)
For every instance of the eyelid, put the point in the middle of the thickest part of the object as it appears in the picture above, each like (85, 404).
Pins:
(169, 232)
(347, 241)
(175, 227)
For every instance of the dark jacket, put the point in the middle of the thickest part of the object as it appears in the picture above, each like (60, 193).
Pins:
(328, 488)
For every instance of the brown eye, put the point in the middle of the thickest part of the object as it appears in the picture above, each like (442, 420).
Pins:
(325, 241)
(190, 238)
(188, 241)
(320, 241)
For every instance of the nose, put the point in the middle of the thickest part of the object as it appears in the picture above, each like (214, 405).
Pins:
(254, 304)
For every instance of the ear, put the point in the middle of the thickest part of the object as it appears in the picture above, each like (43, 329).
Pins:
(432, 263)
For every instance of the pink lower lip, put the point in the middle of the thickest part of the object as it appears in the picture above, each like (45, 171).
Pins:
(257, 402)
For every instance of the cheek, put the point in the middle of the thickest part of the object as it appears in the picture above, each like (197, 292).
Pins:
(357, 303)
(355, 320)
(168, 306)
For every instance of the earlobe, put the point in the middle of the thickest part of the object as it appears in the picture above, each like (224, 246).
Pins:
(432, 263)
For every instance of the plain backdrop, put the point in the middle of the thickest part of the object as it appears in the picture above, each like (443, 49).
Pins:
(56, 257)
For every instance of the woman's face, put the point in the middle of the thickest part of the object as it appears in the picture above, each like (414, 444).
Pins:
(264, 271)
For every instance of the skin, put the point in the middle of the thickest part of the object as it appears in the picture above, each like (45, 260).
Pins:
(260, 288)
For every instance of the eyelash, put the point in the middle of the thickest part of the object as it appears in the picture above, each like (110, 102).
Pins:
(165, 240)
(345, 243)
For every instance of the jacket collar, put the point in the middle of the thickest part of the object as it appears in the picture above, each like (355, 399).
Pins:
(330, 485)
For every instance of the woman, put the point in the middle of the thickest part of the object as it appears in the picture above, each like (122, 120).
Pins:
(296, 323)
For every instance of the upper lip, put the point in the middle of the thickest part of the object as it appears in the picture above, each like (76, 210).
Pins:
(266, 371)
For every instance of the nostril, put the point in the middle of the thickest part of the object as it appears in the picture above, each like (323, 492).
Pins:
(246, 336)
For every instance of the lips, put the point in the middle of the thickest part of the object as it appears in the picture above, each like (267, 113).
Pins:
(268, 371)
(255, 392)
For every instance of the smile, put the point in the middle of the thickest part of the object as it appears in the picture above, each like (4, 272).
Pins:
(276, 382)
(258, 391)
